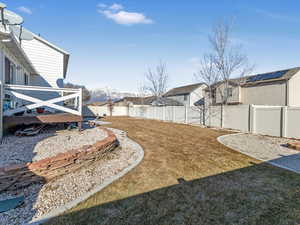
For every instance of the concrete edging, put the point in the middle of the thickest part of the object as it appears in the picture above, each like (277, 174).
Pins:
(219, 139)
(72, 204)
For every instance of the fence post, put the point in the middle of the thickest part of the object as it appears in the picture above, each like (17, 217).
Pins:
(203, 115)
(164, 113)
(173, 119)
(186, 114)
(252, 119)
(284, 118)
(222, 115)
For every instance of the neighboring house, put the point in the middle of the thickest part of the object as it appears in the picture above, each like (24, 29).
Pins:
(189, 95)
(280, 88)
(131, 101)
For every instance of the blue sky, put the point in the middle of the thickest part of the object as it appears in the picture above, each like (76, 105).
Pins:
(112, 43)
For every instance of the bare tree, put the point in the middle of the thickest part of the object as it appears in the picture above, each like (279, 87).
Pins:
(219, 66)
(157, 80)
(228, 59)
(209, 75)
(110, 103)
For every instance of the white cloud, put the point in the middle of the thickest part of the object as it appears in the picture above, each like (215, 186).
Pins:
(119, 16)
(126, 18)
(102, 5)
(25, 10)
(116, 6)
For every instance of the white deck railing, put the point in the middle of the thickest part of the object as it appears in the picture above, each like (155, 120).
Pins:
(65, 94)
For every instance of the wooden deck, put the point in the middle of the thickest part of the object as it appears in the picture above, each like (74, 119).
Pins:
(10, 121)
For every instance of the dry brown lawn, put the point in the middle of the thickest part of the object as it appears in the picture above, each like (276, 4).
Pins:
(187, 177)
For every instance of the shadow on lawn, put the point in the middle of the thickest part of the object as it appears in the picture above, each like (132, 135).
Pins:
(258, 194)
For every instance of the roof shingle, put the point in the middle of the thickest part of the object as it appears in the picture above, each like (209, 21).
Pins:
(182, 90)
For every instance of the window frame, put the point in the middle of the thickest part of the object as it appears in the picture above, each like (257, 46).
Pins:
(11, 70)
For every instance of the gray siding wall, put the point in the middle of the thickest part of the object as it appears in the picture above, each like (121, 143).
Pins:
(268, 94)
(294, 90)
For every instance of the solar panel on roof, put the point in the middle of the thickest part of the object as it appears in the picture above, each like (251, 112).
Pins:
(266, 76)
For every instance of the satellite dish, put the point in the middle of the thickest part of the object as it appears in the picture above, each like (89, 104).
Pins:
(2, 5)
(11, 18)
(22, 33)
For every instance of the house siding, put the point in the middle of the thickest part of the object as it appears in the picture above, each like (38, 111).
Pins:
(294, 90)
(19, 78)
(192, 97)
(196, 95)
(180, 98)
(19, 73)
(49, 63)
(266, 94)
(235, 98)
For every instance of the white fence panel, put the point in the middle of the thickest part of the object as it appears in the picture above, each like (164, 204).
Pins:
(132, 112)
(142, 111)
(267, 120)
(213, 116)
(236, 117)
(169, 113)
(291, 122)
(194, 115)
(159, 113)
(120, 111)
(150, 113)
(179, 114)
(104, 110)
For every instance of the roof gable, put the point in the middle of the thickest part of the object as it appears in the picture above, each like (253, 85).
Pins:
(279, 75)
(183, 90)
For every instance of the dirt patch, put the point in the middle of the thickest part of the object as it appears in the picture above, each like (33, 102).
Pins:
(188, 177)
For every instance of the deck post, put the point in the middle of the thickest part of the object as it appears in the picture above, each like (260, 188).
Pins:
(2, 80)
(80, 102)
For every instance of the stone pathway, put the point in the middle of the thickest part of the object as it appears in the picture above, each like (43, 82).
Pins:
(268, 149)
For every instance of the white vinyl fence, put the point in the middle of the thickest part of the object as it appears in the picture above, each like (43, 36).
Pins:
(278, 121)
(91, 111)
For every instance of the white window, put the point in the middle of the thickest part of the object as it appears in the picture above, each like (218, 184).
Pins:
(10, 72)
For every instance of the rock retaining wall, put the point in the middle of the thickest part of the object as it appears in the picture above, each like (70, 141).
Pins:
(20, 175)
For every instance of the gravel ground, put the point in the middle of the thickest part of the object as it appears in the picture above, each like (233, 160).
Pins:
(41, 199)
(269, 149)
(26, 149)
